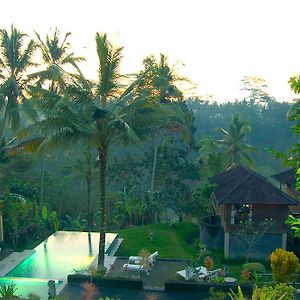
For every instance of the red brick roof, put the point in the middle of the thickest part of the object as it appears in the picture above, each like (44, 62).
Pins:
(241, 185)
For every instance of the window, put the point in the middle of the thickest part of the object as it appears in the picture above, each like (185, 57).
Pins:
(240, 213)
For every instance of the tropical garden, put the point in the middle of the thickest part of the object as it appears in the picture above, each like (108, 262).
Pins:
(123, 151)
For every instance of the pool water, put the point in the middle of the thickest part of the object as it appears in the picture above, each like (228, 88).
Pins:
(60, 254)
(25, 286)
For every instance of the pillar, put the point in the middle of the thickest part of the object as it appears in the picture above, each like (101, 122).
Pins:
(284, 240)
(226, 244)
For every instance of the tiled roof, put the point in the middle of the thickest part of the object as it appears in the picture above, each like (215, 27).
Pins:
(244, 186)
(286, 177)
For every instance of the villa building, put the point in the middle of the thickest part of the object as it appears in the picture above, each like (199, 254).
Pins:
(242, 195)
(287, 183)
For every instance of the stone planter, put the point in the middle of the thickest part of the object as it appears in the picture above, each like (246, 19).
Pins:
(135, 284)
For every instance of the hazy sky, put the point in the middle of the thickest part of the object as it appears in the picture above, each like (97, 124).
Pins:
(218, 41)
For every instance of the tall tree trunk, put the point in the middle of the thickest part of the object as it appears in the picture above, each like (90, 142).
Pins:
(102, 177)
(90, 244)
(89, 183)
(41, 198)
(3, 125)
(153, 174)
(153, 169)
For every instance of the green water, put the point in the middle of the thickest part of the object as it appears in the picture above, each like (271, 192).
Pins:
(63, 252)
(25, 286)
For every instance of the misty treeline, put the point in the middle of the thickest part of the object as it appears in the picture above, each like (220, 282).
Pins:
(149, 181)
(129, 168)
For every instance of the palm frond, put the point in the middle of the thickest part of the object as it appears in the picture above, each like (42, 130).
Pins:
(109, 63)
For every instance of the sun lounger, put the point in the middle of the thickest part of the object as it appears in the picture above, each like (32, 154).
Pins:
(215, 272)
(134, 259)
(152, 258)
(202, 272)
(209, 274)
(153, 255)
(187, 274)
(138, 259)
(134, 268)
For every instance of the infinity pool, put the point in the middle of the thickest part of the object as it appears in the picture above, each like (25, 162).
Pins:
(26, 286)
(54, 259)
(60, 254)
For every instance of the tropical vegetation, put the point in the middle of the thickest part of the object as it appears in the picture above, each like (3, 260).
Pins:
(125, 151)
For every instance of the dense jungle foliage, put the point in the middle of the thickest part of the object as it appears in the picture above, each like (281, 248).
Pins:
(75, 124)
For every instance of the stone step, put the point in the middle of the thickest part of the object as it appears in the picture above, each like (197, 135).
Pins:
(14, 259)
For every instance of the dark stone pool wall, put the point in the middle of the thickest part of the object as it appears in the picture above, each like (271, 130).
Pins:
(170, 285)
(203, 287)
(107, 282)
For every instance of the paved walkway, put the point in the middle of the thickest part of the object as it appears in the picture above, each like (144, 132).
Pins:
(12, 260)
(163, 270)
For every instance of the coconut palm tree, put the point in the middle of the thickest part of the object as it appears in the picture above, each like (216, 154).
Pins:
(160, 85)
(211, 158)
(15, 60)
(86, 166)
(97, 114)
(56, 57)
(234, 143)
(161, 80)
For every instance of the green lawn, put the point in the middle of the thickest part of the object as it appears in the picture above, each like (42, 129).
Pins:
(171, 241)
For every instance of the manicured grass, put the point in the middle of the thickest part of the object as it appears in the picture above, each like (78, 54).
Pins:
(171, 241)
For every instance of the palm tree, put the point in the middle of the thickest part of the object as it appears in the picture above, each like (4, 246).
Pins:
(85, 165)
(160, 81)
(56, 57)
(234, 143)
(15, 60)
(95, 113)
(211, 158)
(160, 85)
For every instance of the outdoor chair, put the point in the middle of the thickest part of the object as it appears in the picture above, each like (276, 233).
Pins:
(134, 260)
(209, 275)
(134, 268)
(188, 273)
(137, 259)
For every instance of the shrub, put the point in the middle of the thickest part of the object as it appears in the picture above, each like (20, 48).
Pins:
(280, 291)
(145, 258)
(8, 290)
(217, 279)
(99, 272)
(208, 263)
(283, 264)
(237, 296)
(217, 295)
(254, 267)
(246, 275)
(89, 291)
